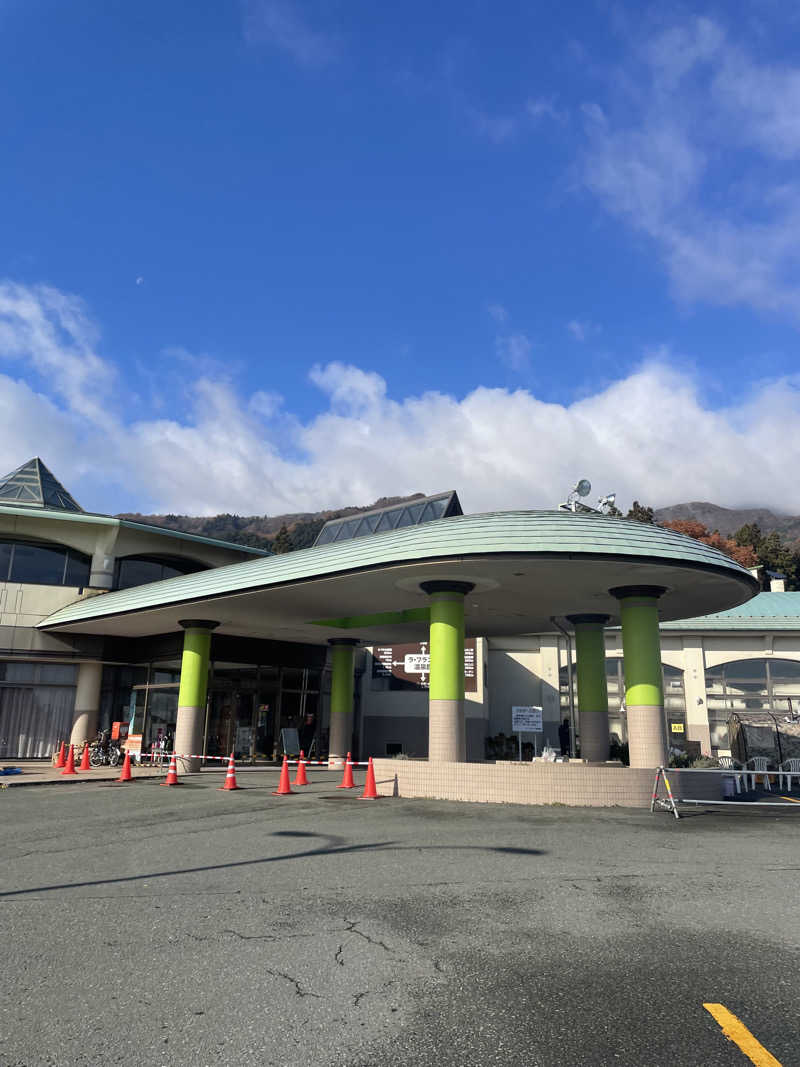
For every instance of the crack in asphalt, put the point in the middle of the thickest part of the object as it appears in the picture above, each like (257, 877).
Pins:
(250, 937)
(295, 982)
(352, 928)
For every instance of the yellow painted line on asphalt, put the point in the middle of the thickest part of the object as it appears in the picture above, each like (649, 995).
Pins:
(737, 1032)
(794, 800)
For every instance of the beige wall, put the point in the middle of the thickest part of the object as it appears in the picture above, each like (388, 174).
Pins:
(105, 542)
(28, 605)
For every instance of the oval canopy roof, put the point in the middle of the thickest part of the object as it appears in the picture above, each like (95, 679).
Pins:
(527, 567)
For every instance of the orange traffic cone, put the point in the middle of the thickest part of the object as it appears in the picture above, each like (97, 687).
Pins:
(283, 785)
(85, 765)
(60, 758)
(370, 792)
(347, 778)
(70, 767)
(126, 769)
(230, 777)
(172, 772)
(301, 778)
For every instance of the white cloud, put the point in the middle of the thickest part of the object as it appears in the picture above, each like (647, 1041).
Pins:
(544, 107)
(279, 23)
(693, 149)
(51, 332)
(581, 330)
(514, 349)
(495, 128)
(498, 313)
(648, 436)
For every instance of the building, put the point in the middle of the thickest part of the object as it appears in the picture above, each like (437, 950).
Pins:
(410, 630)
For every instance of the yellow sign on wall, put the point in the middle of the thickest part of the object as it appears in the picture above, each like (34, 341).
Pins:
(676, 727)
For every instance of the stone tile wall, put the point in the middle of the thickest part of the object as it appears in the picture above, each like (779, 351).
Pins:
(575, 784)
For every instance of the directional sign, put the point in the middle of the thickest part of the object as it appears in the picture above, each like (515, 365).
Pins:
(526, 720)
(409, 666)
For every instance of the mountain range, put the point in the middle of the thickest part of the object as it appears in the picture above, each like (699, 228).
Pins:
(260, 531)
(729, 520)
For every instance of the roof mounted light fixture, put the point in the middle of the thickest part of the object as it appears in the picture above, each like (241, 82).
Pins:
(582, 489)
(606, 503)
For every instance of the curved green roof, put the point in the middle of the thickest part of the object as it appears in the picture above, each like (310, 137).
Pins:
(472, 546)
(767, 611)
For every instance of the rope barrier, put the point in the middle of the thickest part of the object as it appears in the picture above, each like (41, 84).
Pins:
(325, 764)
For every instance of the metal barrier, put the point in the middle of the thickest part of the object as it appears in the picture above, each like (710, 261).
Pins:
(737, 777)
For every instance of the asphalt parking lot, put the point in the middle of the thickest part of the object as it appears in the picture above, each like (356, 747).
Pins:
(189, 926)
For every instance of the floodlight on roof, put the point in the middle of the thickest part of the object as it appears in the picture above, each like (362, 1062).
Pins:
(582, 488)
(606, 503)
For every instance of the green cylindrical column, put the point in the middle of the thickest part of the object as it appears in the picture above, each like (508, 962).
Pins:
(192, 692)
(447, 739)
(341, 723)
(590, 652)
(644, 696)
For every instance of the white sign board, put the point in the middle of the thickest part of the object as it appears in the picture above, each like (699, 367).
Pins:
(526, 720)
(416, 663)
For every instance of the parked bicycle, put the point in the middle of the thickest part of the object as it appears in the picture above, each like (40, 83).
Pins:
(105, 755)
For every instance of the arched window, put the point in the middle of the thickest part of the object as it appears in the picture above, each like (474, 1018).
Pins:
(141, 570)
(750, 685)
(42, 563)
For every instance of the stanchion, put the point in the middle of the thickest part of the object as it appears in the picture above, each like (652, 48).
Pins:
(301, 778)
(370, 792)
(284, 788)
(172, 772)
(70, 767)
(347, 778)
(230, 777)
(126, 775)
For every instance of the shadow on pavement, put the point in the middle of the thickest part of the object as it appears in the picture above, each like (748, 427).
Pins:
(327, 851)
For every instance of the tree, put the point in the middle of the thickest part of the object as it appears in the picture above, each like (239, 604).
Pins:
(773, 554)
(744, 555)
(639, 513)
(749, 534)
(282, 542)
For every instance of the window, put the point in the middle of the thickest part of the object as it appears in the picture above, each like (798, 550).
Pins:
(673, 690)
(141, 570)
(752, 685)
(36, 563)
(20, 672)
(392, 517)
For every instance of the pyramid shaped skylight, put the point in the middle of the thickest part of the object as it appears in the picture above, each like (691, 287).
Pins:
(395, 517)
(34, 486)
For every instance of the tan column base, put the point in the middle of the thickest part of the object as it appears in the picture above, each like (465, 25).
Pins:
(87, 703)
(447, 739)
(647, 743)
(339, 739)
(189, 737)
(594, 736)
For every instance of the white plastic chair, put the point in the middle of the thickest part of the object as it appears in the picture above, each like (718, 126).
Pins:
(788, 768)
(728, 763)
(760, 766)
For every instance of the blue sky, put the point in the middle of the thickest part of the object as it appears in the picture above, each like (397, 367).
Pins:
(284, 254)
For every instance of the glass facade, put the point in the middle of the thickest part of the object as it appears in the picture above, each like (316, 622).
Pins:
(750, 685)
(141, 570)
(674, 700)
(36, 707)
(247, 707)
(395, 517)
(38, 563)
